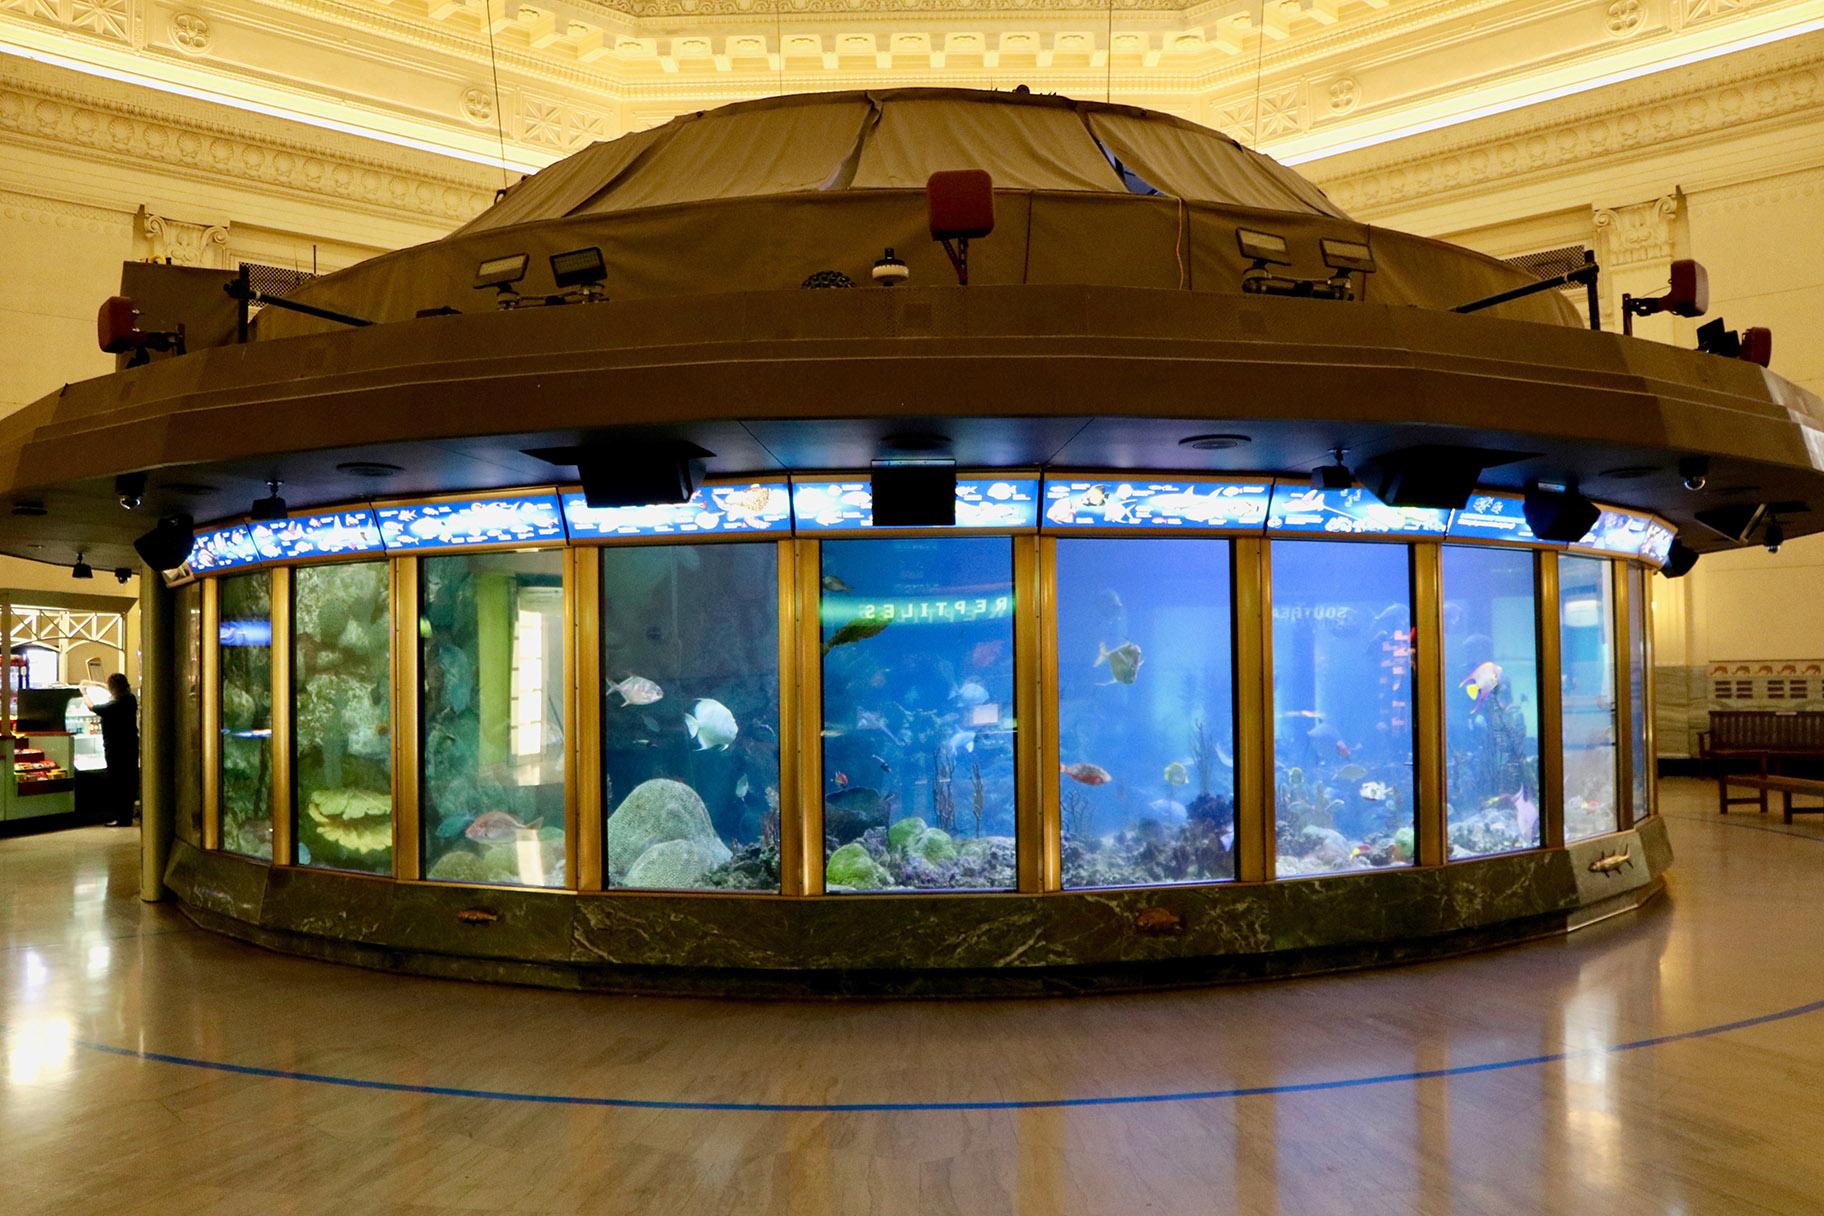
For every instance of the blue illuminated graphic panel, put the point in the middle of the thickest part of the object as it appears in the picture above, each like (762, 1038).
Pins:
(1493, 517)
(1618, 532)
(1156, 504)
(1009, 503)
(1299, 508)
(335, 534)
(527, 519)
(1656, 547)
(223, 549)
(712, 510)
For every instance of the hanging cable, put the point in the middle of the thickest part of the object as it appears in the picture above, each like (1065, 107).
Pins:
(500, 128)
(1108, 56)
(1260, 59)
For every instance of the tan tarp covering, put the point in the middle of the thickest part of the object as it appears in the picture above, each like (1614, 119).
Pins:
(1027, 146)
(561, 188)
(742, 153)
(1202, 165)
(775, 243)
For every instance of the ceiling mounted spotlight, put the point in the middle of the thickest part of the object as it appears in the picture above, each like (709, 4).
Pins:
(1213, 443)
(1335, 475)
(889, 271)
(272, 506)
(1687, 295)
(1557, 513)
(1695, 471)
(1773, 536)
(130, 489)
(81, 569)
(123, 574)
(167, 546)
(1679, 560)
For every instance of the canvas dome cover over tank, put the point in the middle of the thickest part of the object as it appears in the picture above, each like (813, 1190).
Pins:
(762, 195)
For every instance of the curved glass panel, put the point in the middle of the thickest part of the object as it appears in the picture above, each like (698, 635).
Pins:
(342, 732)
(336, 534)
(1491, 701)
(1586, 617)
(690, 716)
(244, 603)
(1342, 706)
(1639, 586)
(981, 502)
(491, 654)
(521, 519)
(189, 710)
(918, 725)
(1145, 712)
(1145, 503)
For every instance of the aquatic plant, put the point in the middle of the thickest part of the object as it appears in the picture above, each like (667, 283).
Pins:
(1076, 812)
(979, 797)
(943, 798)
(1203, 754)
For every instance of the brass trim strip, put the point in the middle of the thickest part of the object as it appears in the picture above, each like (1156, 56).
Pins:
(1252, 625)
(1650, 688)
(792, 862)
(210, 680)
(801, 820)
(584, 810)
(1432, 826)
(1551, 701)
(1036, 800)
(284, 794)
(407, 709)
(1621, 664)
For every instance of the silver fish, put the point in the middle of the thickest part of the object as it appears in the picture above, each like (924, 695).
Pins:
(637, 690)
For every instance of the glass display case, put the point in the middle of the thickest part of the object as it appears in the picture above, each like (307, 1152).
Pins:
(84, 725)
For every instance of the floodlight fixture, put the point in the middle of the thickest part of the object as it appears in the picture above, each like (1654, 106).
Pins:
(1335, 475)
(1560, 514)
(960, 209)
(167, 546)
(582, 269)
(1687, 295)
(1262, 248)
(272, 506)
(890, 271)
(1753, 345)
(81, 569)
(500, 274)
(1347, 255)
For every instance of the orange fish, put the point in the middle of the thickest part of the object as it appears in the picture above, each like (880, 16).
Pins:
(1342, 749)
(1086, 773)
(842, 778)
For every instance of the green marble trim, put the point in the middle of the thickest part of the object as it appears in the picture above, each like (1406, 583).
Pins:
(923, 945)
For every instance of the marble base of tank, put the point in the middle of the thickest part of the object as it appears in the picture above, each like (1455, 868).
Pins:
(924, 945)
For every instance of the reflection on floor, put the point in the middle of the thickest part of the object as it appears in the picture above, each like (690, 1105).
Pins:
(1719, 1123)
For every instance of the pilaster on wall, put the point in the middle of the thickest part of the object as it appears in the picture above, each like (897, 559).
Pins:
(1635, 245)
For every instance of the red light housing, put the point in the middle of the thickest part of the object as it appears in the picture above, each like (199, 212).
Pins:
(116, 325)
(961, 204)
(1757, 345)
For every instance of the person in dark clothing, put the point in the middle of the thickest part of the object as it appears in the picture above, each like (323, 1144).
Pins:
(120, 748)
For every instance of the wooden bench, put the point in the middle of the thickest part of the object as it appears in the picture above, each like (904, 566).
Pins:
(1763, 737)
(1785, 787)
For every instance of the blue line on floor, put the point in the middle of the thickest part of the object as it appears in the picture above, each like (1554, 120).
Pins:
(1299, 1087)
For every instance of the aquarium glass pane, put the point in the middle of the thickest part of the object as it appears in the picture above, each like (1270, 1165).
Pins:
(690, 716)
(1491, 701)
(1145, 712)
(1342, 706)
(245, 607)
(1586, 615)
(918, 725)
(491, 656)
(342, 716)
(1639, 586)
(189, 608)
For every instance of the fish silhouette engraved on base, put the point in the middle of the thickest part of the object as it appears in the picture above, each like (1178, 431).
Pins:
(1612, 862)
(1159, 922)
(477, 916)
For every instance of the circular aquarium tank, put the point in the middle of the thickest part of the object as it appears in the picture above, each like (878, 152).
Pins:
(1160, 582)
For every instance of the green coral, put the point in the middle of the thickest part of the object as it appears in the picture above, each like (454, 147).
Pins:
(904, 831)
(656, 811)
(854, 868)
(934, 845)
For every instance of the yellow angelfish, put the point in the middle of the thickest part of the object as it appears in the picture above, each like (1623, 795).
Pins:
(1482, 681)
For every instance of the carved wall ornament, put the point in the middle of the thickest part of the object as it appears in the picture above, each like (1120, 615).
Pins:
(1344, 93)
(1641, 232)
(1274, 112)
(190, 32)
(1625, 17)
(1694, 11)
(477, 105)
(182, 243)
(109, 18)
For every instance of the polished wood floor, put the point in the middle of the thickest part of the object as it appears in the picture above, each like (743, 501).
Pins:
(1619, 1080)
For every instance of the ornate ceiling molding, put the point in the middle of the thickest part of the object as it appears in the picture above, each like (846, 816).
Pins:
(69, 113)
(1711, 100)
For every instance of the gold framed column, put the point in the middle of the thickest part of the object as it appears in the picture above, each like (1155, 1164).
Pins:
(1037, 808)
(1255, 853)
(408, 812)
(1427, 565)
(583, 810)
(211, 730)
(1622, 663)
(1551, 701)
(284, 844)
(801, 649)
